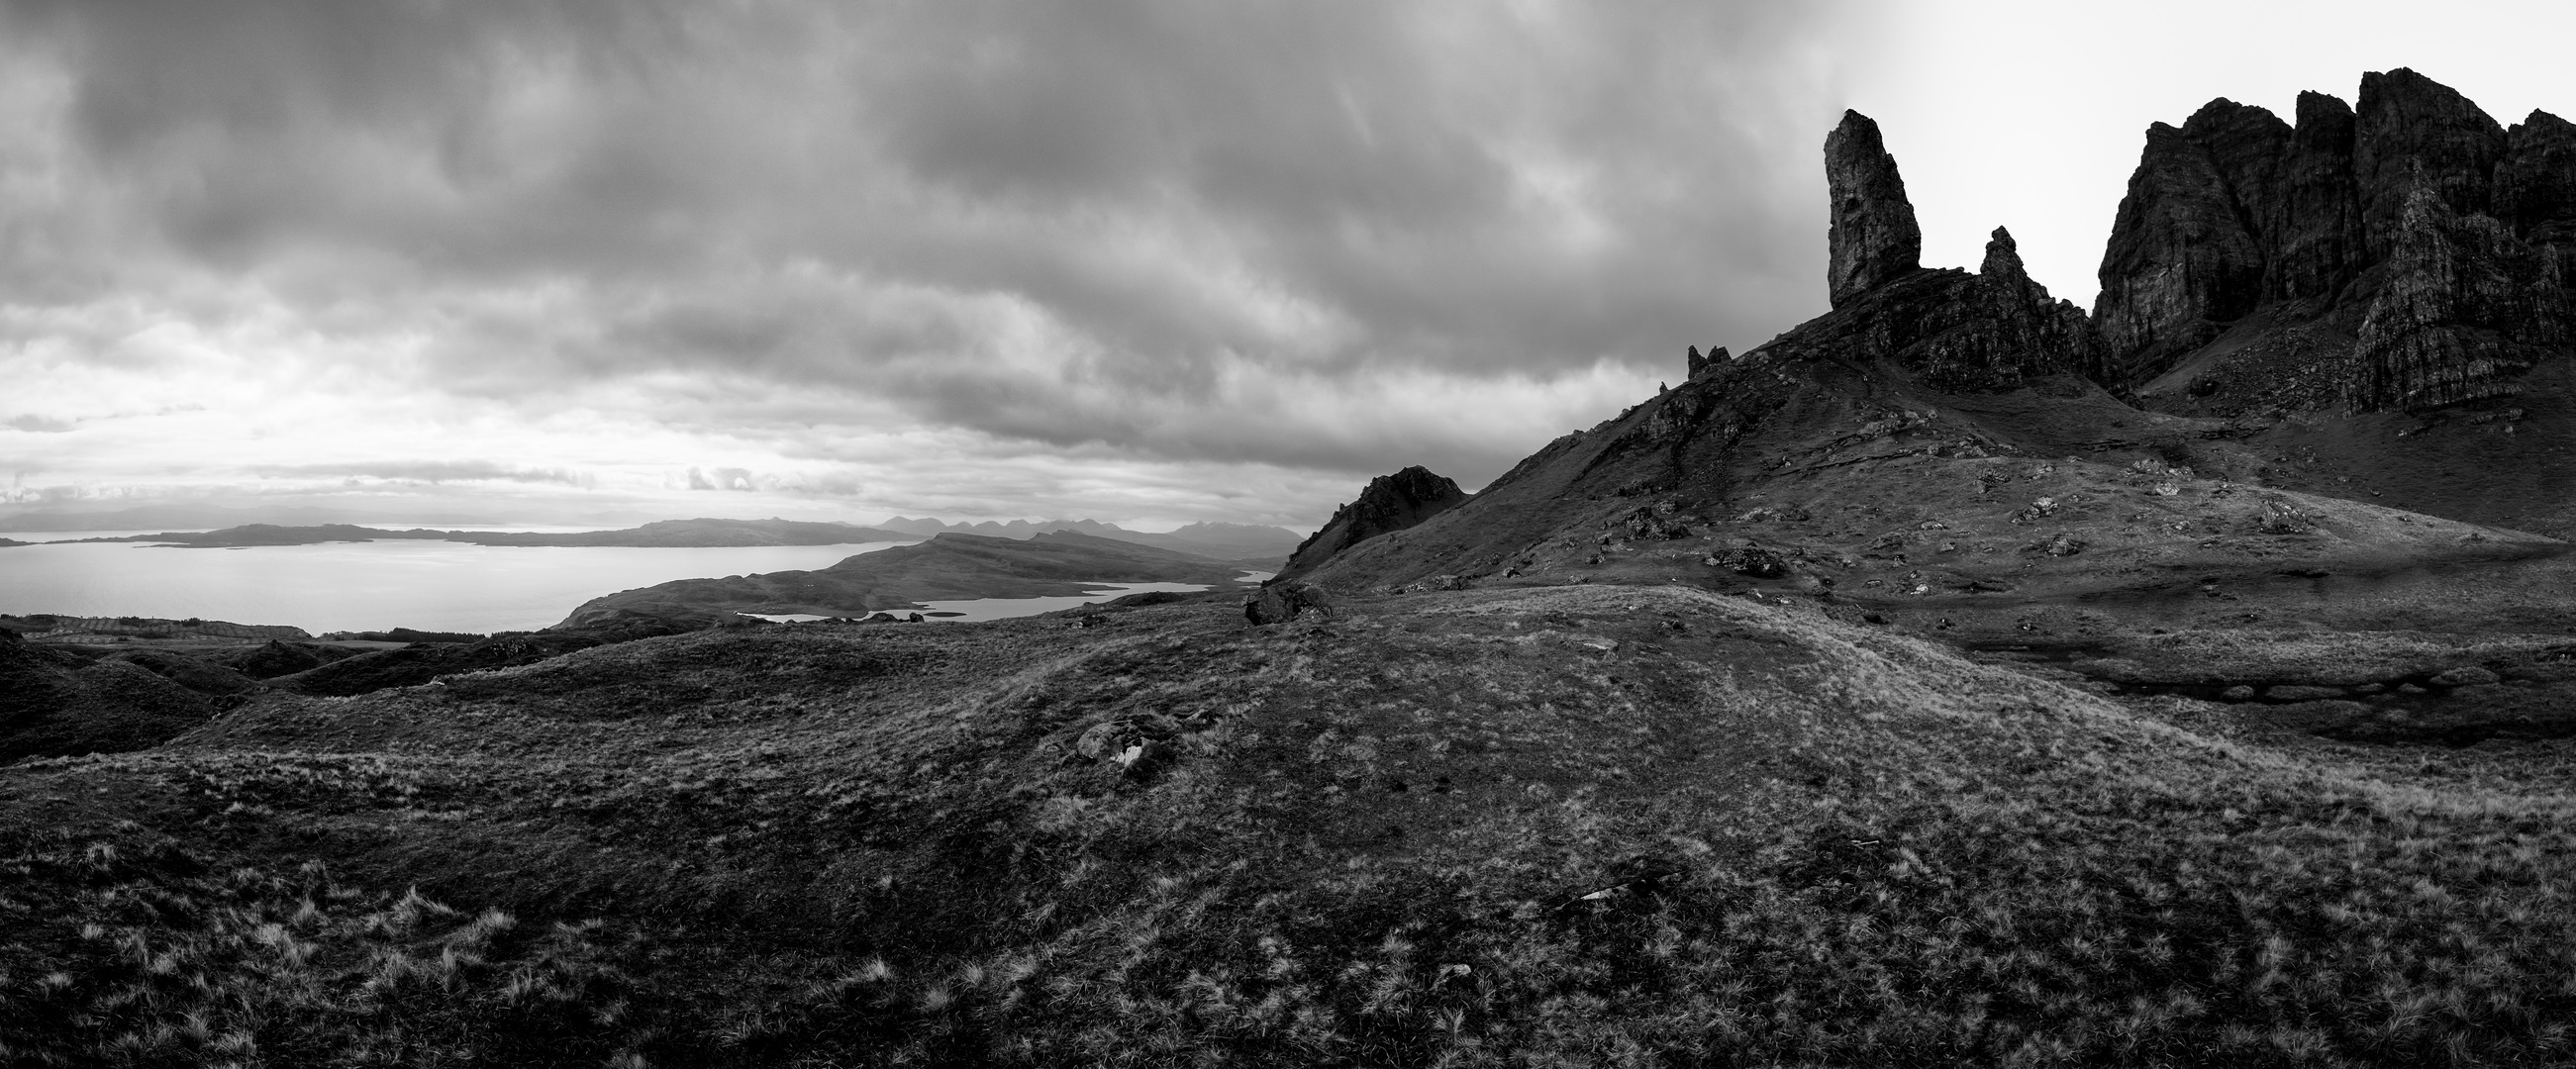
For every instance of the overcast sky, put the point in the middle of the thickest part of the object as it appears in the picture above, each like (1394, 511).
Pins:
(1148, 262)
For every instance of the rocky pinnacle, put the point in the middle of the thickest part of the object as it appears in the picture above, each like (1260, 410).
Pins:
(1874, 237)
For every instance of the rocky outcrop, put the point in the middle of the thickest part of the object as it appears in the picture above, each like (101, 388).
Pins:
(2413, 133)
(1874, 238)
(2464, 310)
(2535, 183)
(2184, 257)
(1389, 503)
(1952, 330)
(2007, 329)
(1699, 365)
(2315, 243)
(2412, 230)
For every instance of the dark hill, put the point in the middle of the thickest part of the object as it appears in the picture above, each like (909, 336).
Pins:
(948, 566)
(53, 703)
(425, 662)
(1387, 504)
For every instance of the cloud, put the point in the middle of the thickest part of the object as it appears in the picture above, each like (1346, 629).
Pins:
(425, 471)
(1335, 236)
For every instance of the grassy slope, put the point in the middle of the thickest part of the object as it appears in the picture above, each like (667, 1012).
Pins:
(54, 703)
(949, 566)
(1564, 826)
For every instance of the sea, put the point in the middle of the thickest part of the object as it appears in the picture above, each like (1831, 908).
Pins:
(426, 586)
(363, 586)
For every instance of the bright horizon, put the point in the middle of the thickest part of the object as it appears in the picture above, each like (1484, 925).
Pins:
(1151, 265)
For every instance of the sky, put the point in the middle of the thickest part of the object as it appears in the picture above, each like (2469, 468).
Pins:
(1145, 261)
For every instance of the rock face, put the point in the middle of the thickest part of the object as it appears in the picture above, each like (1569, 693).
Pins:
(1874, 239)
(2316, 237)
(2464, 310)
(1390, 503)
(1955, 331)
(1699, 365)
(2411, 134)
(2535, 183)
(2412, 233)
(2183, 259)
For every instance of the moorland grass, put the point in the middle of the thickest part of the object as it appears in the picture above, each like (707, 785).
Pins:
(1559, 827)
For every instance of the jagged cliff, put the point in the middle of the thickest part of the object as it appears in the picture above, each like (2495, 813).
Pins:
(2296, 307)
(2402, 254)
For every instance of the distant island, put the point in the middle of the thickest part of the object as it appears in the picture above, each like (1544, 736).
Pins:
(1220, 541)
(947, 567)
(697, 533)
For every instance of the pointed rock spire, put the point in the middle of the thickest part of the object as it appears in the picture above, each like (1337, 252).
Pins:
(1698, 364)
(1874, 237)
(2003, 257)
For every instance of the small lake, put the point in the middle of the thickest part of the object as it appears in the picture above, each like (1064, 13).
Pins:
(365, 586)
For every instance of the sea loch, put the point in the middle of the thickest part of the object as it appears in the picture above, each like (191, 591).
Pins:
(354, 586)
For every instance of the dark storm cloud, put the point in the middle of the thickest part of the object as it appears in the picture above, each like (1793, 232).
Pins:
(1135, 223)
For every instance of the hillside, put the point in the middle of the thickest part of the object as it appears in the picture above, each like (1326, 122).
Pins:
(55, 703)
(1936, 452)
(1475, 827)
(947, 567)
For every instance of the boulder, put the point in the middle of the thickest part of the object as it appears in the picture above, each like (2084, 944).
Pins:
(2465, 676)
(1753, 561)
(1280, 602)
